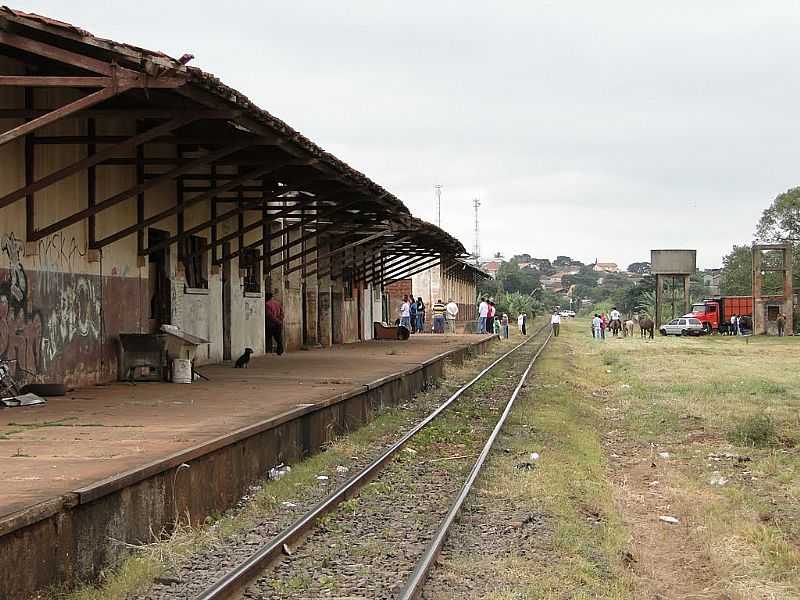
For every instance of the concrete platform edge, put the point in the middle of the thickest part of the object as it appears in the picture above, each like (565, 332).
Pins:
(74, 536)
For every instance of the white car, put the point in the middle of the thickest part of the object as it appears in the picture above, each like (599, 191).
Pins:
(566, 313)
(683, 326)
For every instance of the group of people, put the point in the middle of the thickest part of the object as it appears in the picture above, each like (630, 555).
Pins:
(602, 321)
(490, 322)
(412, 315)
(735, 327)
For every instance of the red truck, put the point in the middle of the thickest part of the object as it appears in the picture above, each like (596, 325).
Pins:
(715, 313)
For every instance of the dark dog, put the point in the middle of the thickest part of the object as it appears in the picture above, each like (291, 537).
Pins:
(241, 362)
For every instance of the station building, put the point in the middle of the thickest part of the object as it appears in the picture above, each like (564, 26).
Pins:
(138, 191)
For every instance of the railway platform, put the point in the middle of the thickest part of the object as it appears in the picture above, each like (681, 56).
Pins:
(120, 461)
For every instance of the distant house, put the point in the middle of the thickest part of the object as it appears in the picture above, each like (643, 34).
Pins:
(553, 283)
(606, 267)
(492, 267)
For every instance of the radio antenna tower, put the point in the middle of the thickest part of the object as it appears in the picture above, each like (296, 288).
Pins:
(476, 244)
(438, 189)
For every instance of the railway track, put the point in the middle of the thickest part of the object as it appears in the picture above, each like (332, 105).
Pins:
(239, 582)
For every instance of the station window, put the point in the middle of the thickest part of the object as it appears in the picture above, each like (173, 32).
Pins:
(250, 262)
(195, 265)
(772, 313)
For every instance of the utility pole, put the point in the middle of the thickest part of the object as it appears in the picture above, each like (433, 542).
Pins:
(438, 189)
(476, 245)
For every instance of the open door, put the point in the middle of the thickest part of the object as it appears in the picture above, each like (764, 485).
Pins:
(158, 282)
(226, 301)
(336, 317)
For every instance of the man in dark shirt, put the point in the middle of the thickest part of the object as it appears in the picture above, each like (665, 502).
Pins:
(273, 317)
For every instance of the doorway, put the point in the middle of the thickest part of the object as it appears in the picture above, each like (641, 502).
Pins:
(226, 301)
(158, 280)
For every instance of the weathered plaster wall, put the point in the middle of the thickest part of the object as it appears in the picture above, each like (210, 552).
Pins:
(63, 307)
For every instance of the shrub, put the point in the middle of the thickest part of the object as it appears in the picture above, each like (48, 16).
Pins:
(756, 430)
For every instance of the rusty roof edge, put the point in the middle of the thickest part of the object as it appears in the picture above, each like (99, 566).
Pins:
(151, 61)
(196, 77)
(214, 85)
(474, 267)
(429, 229)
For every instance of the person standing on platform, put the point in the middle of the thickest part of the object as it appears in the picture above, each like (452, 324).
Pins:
(405, 313)
(420, 315)
(451, 314)
(483, 314)
(273, 323)
(490, 317)
(781, 322)
(412, 314)
(555, 323)
(438, 316)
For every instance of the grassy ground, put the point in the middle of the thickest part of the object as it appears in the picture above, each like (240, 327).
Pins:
(548, 528)
(704, 430)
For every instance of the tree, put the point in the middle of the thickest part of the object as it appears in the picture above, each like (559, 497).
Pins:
(514, 279)
(522, 258)
(781, 219)
(516, 304)
(642, 268)
(737, 272)
(586, 277)
(635, 297)
(562, 261)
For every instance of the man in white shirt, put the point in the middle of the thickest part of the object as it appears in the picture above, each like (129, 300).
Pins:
(451, 312)
(405, 313)
(555, 323)
(597, 325)
(483, 312)
(615, 316)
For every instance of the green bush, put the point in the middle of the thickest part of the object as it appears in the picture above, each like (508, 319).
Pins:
(756, 430)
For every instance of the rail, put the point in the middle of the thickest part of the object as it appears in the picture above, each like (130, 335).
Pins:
(236, 580)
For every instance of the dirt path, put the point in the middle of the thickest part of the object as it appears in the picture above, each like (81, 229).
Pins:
(668, 560)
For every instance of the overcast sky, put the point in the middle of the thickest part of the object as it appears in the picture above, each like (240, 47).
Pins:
(595, 129)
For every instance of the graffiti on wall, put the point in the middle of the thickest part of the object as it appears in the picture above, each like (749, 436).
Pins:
(43, 312)
(59, 252)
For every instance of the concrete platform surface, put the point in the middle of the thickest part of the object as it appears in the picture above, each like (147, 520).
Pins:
(93, 433)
